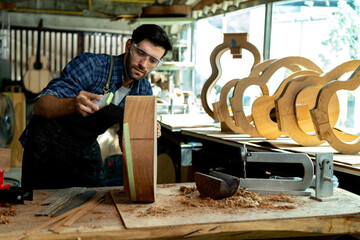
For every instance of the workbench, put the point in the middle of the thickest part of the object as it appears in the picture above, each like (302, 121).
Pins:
(171, 219)
(219, 148)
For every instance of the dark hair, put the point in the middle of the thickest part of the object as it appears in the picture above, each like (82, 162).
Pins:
(155, 34)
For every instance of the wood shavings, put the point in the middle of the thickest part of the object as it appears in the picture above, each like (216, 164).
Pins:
(9, 212)
(4, 219)
(241, 199)
(152, 211)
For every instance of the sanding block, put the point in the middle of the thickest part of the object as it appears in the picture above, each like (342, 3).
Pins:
(105, 100)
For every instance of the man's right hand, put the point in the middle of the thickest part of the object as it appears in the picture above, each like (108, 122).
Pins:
(50, 106)
(84, 104)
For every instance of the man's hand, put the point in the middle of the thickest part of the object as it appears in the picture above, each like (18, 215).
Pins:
(158, 129)
(50, 106)
(84, 104)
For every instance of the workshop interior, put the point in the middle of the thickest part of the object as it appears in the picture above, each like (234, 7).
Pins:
(257, 100)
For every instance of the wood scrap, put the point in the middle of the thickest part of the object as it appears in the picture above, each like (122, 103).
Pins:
(71, 219)
(51, 221)
(70, 194)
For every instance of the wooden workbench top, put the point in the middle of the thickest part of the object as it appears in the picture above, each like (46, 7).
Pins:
(176, 215)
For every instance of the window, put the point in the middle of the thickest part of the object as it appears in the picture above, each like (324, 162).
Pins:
(324, 31)
(209, 33)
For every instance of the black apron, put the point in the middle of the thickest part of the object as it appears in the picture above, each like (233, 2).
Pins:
(64, 152)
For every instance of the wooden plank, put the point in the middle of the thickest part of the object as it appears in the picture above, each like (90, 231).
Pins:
(70, 194)
(103, 222)
(140, 148)
(170, 210)
(5, 156)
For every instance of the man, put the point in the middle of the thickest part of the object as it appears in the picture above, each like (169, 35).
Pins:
(60, 141)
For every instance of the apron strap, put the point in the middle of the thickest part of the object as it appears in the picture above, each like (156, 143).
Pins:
(107, 85)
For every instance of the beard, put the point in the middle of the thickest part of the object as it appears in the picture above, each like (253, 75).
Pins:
(134, 75)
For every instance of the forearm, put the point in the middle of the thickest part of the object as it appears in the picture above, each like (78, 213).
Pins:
(50, 106)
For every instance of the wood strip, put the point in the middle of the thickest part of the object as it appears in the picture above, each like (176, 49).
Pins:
(116, 199)
(83, 198)
(15, 55)
(55, 53)
(50, 51)
(46, 224)
(61, 59)
(27, 49)
(129, 160)
(88, 206)
(69, 195)
(66, 48)
(76, 215)
(54, 196)
(21, 53)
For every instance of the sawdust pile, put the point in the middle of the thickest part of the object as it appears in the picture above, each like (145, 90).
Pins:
(152, 211)
(241, 199)
(8, 212)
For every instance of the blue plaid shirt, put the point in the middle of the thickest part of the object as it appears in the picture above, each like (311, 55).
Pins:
(89, 72)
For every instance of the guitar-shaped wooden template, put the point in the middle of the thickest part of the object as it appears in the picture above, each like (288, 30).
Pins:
(240, 40)
(320, 115)
(299, 96)
(291, 63)
(37, 76)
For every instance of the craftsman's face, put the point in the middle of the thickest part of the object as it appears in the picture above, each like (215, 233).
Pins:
(142, 58)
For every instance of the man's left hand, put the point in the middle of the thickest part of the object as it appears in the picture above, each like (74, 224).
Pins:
(158, 129)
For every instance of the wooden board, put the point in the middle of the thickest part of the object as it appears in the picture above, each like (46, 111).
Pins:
(170, 211)
(102, 218)
(104, 222)
(140, 148)
(5, 156)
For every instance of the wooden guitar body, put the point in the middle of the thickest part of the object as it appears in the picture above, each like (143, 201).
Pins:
(321, 119)
(263, 109)
(221, 108)
(35, 80)
(291, 63)
(38, 76)
(240, 40)
(140, 148)
(299, 96)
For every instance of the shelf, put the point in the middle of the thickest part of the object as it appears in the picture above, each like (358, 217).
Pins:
(164, 20)
(176, 65)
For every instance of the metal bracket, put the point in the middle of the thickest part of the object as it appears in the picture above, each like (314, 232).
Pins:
(324, 178)
(16, 195)
(277, 186)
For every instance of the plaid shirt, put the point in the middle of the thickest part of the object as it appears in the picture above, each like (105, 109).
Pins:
(89, 72)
